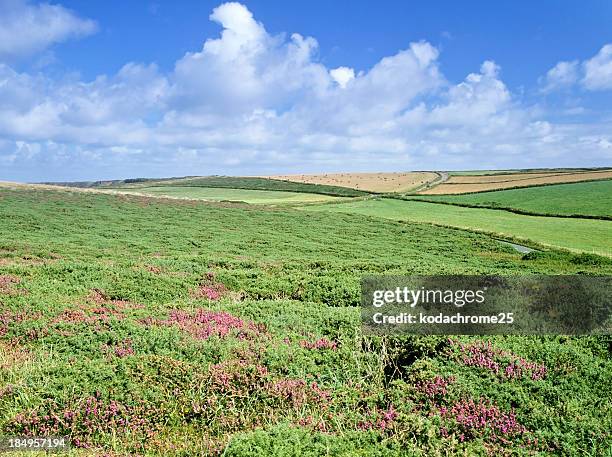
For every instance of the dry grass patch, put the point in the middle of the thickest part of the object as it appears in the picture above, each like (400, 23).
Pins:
(12, 356)
(372, 182)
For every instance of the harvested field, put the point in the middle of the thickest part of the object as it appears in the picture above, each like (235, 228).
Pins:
(372, 182)
(480, 183)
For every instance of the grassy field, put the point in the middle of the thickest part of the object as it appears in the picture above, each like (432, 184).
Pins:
(227, 182)
(460, 184)
(577, 199)
(244, 195)
(584, 235)
(143, 326)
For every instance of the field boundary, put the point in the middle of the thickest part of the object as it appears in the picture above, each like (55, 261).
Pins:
(550, 175)
(505, 208)
(526, 171)
(363, 193)
(493, 235)
(314, 188)
(510, 188)
(234, 182)
(538, 245)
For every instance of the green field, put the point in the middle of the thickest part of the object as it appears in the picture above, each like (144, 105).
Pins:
(145, 326)
(576, 199)
(225, 182)
(244, 195)
(584, 235)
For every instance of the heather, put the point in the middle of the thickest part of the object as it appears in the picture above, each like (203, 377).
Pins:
(144, 327)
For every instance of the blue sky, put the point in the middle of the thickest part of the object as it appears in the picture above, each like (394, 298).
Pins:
(92, 90)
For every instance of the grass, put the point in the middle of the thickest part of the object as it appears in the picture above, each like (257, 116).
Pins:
(244, 195)
(228, 182)
(155, 327)
(582, 235)
(592, 198)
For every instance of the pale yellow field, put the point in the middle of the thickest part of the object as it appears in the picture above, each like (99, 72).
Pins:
(471, 179)
(373, 182)
(464, 184)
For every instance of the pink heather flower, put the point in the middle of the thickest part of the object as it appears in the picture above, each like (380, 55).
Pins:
(381, 420)
(209, 288)
(472, 416)
(436, 386)
(502, 363)
(205, 323)
(322, 343)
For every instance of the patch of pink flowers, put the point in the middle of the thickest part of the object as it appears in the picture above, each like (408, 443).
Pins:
(238, 378)
(85, 419)
(502, 363)
(382, 420)
(205, 323)
(473, 417)
(209, 288)
(435, 387)
(322, 343)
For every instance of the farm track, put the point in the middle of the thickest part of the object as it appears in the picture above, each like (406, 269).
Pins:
(442, 178)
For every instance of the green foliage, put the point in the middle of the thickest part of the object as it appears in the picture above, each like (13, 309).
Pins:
(99, 277)
(287, 441)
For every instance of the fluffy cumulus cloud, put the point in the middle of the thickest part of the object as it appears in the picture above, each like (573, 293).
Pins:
(252, 102)
(26, 29)
(562, 75)
(598, 70)
(594, 74)
(342, 75)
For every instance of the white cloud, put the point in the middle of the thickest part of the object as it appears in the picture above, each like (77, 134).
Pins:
(342, 75)
(251, 102)
(26, 29)
(246, 68)
(562, 75)
(598, 70)
(594, 74)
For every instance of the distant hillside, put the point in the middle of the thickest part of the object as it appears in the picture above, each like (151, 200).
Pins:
(226, 182)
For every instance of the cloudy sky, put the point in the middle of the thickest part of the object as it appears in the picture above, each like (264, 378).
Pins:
(96, 90)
